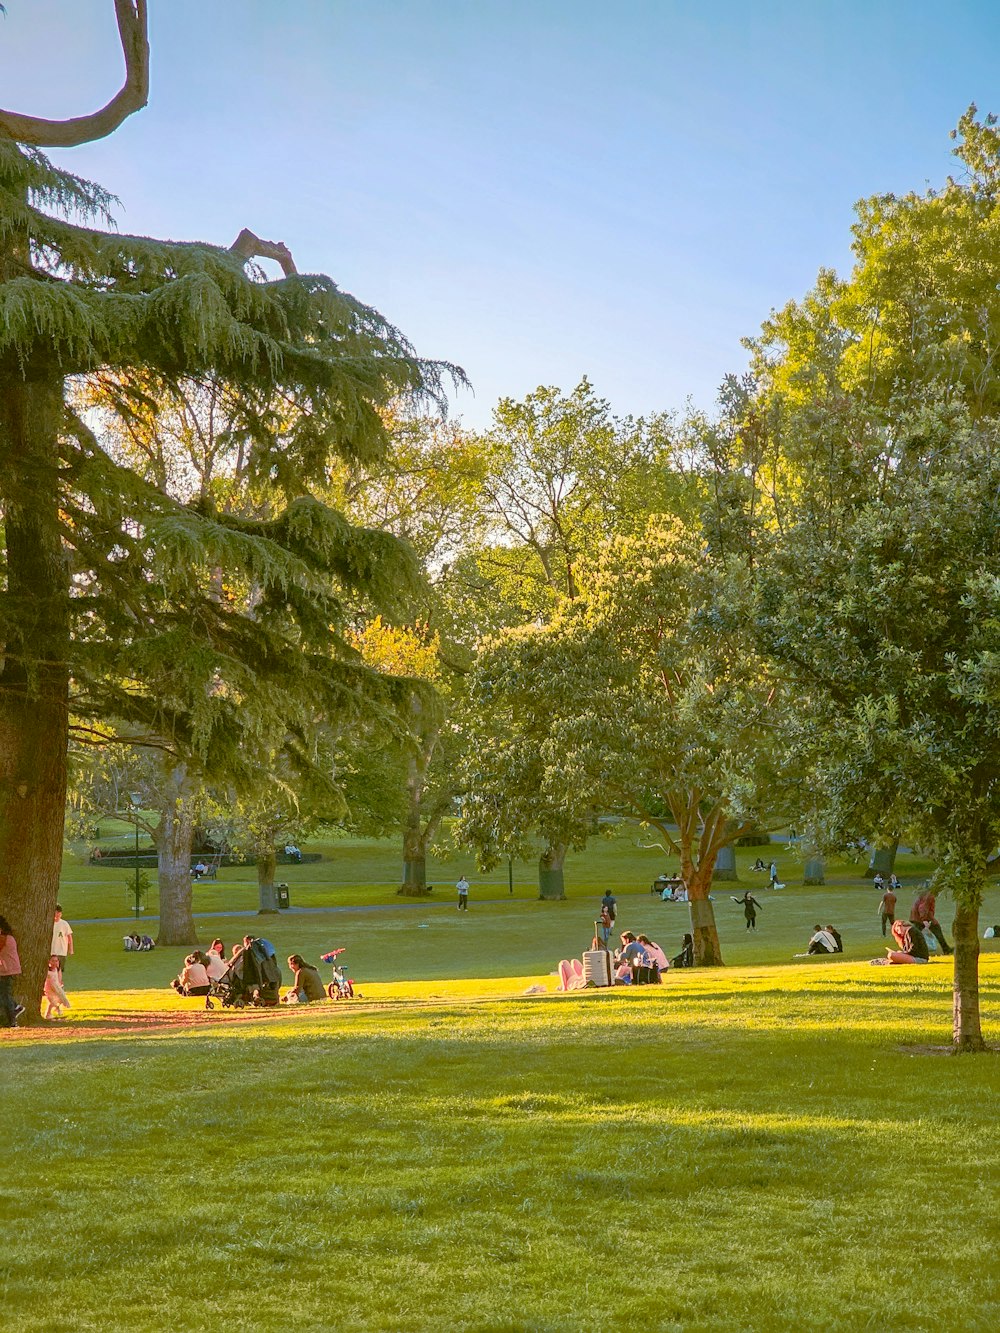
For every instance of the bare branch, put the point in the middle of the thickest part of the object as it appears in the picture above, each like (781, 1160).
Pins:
(249, 246)
(134, 94)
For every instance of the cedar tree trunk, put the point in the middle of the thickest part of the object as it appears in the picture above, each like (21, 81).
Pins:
(551, 881)
(967, 1033)
(34, 675)
(174, 840)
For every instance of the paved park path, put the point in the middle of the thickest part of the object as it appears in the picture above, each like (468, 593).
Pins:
(292, 911)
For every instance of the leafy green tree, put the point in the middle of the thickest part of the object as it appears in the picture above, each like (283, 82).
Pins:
(648, 703)
(894, 634)
(104, 578)
(881, 395)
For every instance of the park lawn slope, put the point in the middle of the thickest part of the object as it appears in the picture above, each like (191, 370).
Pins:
(741, 1149)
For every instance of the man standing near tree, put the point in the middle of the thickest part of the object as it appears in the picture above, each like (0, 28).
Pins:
(922, 916)
(62, 940)
(887, 908)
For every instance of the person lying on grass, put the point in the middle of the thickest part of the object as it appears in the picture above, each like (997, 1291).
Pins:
(193, 979)
(306, 985)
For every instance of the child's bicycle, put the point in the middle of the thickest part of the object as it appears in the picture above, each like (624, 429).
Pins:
(341, 987)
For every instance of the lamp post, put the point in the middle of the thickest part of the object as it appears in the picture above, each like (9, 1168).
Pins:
(134, 797)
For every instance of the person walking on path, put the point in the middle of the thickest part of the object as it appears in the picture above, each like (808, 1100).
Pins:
(610, 902)
(10, 967)
(463, 894)
(887, 909)
(750, 906)
(922, 915)
(62, 940)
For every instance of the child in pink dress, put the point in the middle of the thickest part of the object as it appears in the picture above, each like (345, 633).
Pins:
(55, 997)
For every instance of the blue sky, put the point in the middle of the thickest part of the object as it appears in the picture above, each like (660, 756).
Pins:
(535, 189)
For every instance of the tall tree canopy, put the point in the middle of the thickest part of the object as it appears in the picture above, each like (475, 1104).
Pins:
(105, 574)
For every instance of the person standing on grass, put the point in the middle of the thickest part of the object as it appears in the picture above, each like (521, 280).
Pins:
(463, 894)
(773, 875)
(922, 916)
(62, 940)
(56, 999)
(887, 909)
(10, 967)
(609, 903)
(750, 907)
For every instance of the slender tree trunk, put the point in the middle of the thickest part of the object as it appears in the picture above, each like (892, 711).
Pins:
(551, 879)
(415, 836)
(34, 675)
(267, 861)
(967, 1033)
(174, 840)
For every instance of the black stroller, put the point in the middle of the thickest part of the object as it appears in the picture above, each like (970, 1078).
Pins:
(252, 978)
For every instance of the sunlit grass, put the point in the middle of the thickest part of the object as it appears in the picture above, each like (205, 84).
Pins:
(727, 1151)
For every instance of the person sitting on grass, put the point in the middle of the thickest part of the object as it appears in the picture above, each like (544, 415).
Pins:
(55, 996)
(193, 979)
(306, 983)
(217, 947)
(912, 947)
(657, 957)
(821, 942)
(837, 938)
(758, 867)
(686, 956)
(215, 965)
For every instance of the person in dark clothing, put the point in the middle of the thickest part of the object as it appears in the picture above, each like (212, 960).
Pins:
(686, 956)
(910, 940)
(750, 908)
(887, 909)
(832, 930)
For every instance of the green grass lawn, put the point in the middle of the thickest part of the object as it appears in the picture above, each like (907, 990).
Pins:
(368, 870)
(755, 1148)
(773, 1145)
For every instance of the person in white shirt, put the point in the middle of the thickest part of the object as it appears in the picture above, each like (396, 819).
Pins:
(463, 894)
(822, 942)
(216, 967)
(62, 940)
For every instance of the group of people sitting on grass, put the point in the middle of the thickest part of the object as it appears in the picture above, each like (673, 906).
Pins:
(638, 961)
(201, 969)
(138, 943)
(824, 940)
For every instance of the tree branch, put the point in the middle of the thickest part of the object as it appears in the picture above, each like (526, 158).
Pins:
(134, 94)
(249, 246)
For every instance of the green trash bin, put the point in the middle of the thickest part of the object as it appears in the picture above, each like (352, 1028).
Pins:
(281, 891)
